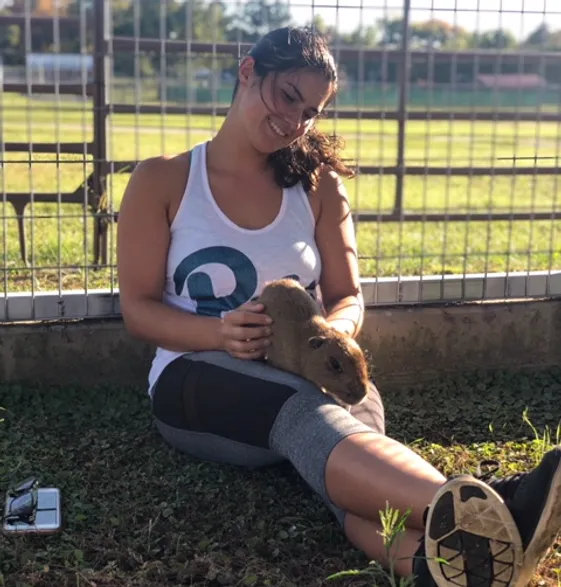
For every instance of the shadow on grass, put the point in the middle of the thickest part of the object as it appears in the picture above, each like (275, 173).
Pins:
(137, 513)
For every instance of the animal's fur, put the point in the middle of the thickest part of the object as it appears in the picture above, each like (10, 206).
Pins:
(303, 343)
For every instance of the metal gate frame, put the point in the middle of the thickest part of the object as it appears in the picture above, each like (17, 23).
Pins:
(92, 192)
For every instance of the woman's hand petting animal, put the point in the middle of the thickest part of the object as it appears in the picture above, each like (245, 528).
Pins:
(245, 332)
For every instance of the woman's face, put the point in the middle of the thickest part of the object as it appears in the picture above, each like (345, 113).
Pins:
(281, 108)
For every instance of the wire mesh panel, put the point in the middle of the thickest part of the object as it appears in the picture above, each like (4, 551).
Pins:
(449, 109)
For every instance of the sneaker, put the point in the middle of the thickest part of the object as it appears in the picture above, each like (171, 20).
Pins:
(469, 526)
(421, 572)
(534, 500)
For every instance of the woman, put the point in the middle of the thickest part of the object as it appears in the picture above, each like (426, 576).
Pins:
(200, 234)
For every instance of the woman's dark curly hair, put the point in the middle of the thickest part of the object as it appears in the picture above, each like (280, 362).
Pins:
(289, 49)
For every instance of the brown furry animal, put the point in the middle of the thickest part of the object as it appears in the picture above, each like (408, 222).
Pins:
(303, 343)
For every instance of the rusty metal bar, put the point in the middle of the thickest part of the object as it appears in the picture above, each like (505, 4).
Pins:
(21, 19)
(117, 166)
(461, 171)
(75, 148)
(63, 89)
(364, 216)
(403, 81)
(455, 217)
(161, 109)
(474, 116)
(22, 199)
(45, 197)
(19, 208)
(352, 114)
(234, 50)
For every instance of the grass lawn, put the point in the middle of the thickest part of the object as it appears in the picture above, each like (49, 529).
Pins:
(386, 248)
(138, 514)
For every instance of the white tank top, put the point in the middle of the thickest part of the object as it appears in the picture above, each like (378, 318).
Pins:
(215, 266)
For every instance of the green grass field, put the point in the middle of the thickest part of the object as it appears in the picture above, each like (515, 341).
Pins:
(138, 514)
(385, 248)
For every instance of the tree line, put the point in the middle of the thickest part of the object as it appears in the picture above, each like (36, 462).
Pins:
(211, 20)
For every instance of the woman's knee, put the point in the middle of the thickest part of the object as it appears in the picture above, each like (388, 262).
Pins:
(371, 411)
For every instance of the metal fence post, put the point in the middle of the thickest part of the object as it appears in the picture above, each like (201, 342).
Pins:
(404, 72)
(101, 220)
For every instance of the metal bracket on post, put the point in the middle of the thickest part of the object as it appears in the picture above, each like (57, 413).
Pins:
(404, 74)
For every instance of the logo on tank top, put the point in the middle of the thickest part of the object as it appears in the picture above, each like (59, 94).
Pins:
(199, 283)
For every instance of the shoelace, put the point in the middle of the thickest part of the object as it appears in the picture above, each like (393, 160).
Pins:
(506, 486)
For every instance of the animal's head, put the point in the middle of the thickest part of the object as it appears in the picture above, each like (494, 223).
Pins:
(337, 363)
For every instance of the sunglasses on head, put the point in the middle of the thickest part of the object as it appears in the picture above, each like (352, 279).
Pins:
(22, 507)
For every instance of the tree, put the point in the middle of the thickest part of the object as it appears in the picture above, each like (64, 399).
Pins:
(438, 34)
(318, 23)
(497, 39)
(364, 36)
(52, 7)
(390, 31)
(258, 18)
(11, 45)
(538, 38)
(554, 41)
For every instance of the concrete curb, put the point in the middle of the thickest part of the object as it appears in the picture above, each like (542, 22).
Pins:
(408, 344)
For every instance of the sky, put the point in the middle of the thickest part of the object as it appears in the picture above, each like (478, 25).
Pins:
(519, 16)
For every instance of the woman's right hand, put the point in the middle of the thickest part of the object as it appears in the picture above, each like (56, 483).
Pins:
(245, 332)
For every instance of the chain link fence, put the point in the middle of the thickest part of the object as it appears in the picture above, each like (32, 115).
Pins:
(450, 110)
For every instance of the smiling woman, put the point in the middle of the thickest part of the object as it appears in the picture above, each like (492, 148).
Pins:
(288, 85)
(199, 237)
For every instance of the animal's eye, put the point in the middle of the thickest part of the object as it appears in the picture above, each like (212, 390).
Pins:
(335, 365)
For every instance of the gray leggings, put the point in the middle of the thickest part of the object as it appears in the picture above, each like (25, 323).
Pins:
(218, 408)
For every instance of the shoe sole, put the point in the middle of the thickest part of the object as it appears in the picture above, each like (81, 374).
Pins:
(547, 529)
(469, 525)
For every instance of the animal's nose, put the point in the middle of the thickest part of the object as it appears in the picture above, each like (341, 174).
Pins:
(361, 395)
(356, 398)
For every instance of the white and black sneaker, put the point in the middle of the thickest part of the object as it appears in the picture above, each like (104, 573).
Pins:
(470, 540)
(534, 500)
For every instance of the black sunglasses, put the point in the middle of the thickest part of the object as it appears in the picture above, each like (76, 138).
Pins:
(22, 507)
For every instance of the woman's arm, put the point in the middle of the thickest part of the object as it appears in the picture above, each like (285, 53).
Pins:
(142, 247)
(335, 237)
(142, 244)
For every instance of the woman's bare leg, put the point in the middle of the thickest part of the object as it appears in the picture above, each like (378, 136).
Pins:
(365, 535)
(367, 470)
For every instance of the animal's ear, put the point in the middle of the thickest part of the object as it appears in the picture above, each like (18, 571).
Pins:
(316, 342)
